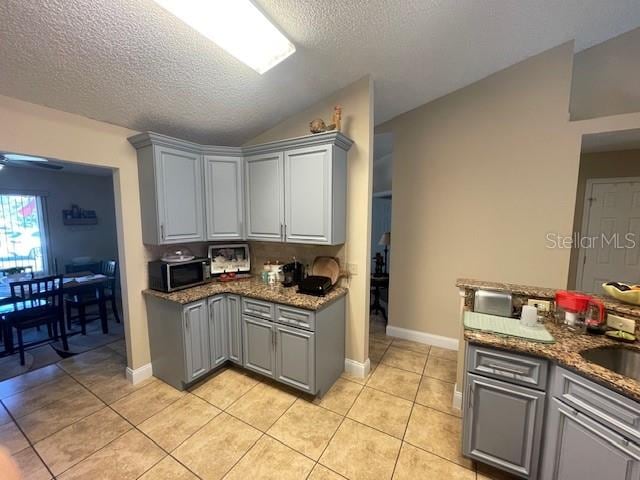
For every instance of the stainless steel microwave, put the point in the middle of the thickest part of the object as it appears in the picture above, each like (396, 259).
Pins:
(172, 276)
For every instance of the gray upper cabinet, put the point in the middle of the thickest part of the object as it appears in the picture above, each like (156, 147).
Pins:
(234, 328)
(295, 358)
(578, 448)
(502, 424)
(171, 192)
(218, 344)
(315, 195)
(196, 340)
(292, 190)
(179, 200)
(265, 197)
(258, 345)
(224, 197)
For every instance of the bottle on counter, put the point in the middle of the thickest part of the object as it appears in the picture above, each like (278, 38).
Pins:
(264, 275)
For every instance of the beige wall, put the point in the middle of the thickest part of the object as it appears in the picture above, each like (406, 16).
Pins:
(479, 177)
(36, 130)
(357, 102)
(605, 78)
(623, 163)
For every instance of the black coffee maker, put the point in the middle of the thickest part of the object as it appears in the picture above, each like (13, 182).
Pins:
(293, 273)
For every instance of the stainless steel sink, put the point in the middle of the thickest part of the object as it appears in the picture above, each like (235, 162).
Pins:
(624, 361)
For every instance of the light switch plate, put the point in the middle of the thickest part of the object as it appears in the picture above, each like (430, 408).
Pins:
(620, 323)
(541, 305)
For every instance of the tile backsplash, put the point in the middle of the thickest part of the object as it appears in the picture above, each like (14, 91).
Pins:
(261, 252)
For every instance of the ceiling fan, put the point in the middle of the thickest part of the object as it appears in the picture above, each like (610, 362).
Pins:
(17, 160)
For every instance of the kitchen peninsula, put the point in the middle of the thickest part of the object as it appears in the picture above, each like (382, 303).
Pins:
(544, 410)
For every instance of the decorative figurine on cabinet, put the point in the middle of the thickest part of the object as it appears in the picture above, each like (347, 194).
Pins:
(337, 117)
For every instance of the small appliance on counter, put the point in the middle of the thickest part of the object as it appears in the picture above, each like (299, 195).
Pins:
(169, 276)
(315, 285)
(493, 303)
(293, 273)
(324, 275)
(571, 307)
(230, 262)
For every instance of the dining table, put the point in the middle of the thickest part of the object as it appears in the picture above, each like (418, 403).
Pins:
(72, 284)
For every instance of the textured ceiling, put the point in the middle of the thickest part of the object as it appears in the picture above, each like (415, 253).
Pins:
(130, 63)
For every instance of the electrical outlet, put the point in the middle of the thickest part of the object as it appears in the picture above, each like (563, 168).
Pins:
(353, 268)
(541, 305)
(620, 323)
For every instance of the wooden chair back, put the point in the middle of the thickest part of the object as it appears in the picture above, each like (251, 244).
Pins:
(48, 289)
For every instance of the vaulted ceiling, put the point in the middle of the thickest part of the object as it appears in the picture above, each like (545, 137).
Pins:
(130, 63)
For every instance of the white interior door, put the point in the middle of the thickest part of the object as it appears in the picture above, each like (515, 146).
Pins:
(610, 244)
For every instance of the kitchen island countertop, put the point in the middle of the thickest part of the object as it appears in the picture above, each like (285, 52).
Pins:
(566, 353)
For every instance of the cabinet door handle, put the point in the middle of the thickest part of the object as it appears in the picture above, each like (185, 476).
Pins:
(188, 323)
(515, 371)
(281, 235)
(471, 392)
(162, 232)
(285, 232)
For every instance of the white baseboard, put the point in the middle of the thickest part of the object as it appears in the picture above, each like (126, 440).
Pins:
(139, 374)
(457, 398)
(357, 369)
(422, 337)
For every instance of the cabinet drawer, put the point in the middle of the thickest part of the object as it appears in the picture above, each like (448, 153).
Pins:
(610, 408)
(258, 308)
(514, 368)
(296, 317)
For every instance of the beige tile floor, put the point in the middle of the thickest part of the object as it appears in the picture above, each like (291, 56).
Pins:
(80, 419)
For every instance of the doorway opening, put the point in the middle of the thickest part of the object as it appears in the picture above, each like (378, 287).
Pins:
(381, 233)
(57, 219)
(606, 240)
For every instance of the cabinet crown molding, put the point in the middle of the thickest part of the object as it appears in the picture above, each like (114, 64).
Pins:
(146, 139)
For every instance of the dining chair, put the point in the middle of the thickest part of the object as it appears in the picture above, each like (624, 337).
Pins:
(91, 296)
(110, 270)
(41, 301)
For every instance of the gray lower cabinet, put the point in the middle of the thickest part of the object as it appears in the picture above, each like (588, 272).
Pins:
(218, 344)
(234, 328)
(301, 348)
(196, 340)
(297, 347)
(503, 410)
(578, 448)
(503, 424)
(258, 338)
(295, 358)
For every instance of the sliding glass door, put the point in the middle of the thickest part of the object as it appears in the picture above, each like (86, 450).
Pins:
(23, 242)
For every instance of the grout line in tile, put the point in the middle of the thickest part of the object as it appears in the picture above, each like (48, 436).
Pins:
(473, 469)
(29, 442)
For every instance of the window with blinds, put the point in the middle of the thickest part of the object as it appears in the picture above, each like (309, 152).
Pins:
(22, 235)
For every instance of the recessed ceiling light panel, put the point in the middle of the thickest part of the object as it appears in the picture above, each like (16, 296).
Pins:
(238, 26)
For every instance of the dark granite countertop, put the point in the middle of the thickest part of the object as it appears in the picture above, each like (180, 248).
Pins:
(566, 353)
(253, 288)
(611, 304)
